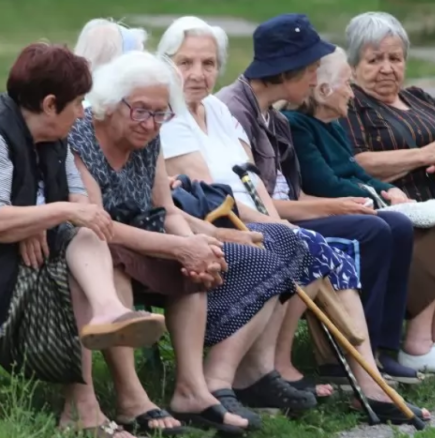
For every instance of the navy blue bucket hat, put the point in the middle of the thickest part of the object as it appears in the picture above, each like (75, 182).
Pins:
(283, 43)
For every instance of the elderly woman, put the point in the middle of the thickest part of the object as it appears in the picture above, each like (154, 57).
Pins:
(102, 40)
(382, 254)
(118, 153)
(56, 285)
(329, 169)
(392, 133)
(204, 144)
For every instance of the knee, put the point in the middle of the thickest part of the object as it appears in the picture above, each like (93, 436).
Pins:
(400, 225)
(87, 235)
(375, 230)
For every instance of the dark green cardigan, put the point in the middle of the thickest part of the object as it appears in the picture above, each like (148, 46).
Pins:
(328, 166)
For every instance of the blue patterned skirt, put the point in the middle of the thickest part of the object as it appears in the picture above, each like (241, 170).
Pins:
(256, 275)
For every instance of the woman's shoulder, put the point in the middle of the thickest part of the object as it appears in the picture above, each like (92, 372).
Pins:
(419, 93)
(298, 120)
(82, 130)
(216, 106)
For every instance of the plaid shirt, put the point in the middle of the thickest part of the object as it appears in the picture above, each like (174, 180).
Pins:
(368, 131)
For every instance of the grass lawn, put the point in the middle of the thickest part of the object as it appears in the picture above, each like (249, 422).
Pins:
(29, 411)
(25, 21)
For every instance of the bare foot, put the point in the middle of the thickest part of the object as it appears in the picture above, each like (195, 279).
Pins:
(378, 395)
(129, 411)
(87, 415)
(291, 374)
(184, 401)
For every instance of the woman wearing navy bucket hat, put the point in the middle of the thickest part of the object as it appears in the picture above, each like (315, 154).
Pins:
(287, 51)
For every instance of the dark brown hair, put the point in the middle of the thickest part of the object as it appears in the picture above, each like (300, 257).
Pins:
(43, 69)
(280, 78)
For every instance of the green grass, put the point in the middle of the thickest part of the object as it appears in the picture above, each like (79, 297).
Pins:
(25, 21)
(29, 410)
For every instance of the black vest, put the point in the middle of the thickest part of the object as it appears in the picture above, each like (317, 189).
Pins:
(32, 163)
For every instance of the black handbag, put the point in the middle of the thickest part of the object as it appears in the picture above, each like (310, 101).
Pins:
(129, 214)
(198, 199)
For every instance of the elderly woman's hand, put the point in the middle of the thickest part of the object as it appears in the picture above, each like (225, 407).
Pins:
(174, 182)
(396, 196)
(94, 217)
(34, 250)
(203, 260)
(251, 238)
(341, 206)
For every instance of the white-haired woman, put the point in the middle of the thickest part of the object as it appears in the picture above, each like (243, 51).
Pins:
(101, 40)
(329, 170)
(118, 152)
(391, 130)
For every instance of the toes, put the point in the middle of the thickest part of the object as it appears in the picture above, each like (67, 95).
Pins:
(426, 414)
(235, 420)
(324, 390)
(171, 422)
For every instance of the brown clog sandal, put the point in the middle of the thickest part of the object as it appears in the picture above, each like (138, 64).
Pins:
(133, 329)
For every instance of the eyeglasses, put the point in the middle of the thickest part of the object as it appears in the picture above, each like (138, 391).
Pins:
(138, 114)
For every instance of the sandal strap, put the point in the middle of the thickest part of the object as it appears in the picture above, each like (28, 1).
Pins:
(228, 399)
(153, 414)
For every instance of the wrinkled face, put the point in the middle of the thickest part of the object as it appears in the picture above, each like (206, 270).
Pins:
(137, 119)
(338, 94)
(59, 124)
(381, 70)
(197, 61)
(297, 89)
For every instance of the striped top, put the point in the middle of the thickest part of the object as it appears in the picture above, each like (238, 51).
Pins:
(74, 179)
(369, 131)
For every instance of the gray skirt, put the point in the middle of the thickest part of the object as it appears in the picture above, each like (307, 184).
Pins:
(39, 337)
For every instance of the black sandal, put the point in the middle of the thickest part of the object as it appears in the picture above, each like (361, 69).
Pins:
(212, 417)
(309, 385)
(390, 413)
(229, 401)
(272, 391)
(140, 424)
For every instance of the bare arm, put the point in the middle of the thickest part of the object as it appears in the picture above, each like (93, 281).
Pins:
(19, 223)
(194, 166)
(389, 166)
(175, 222)
(302, 210)
(144, 242)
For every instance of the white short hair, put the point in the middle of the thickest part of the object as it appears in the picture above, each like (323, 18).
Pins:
(330, 67)
(371, 28)
(175, 34)
(102, 39)
(117, 80)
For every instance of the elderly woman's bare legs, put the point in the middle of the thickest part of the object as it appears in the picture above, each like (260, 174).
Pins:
(81, 409)
(283, 362)
(132, 399)
(353, 306)
(420, 333)
(90, 263)
(186, 320)
(224, 358)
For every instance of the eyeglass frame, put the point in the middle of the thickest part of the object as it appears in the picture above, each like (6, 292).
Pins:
(150, 114)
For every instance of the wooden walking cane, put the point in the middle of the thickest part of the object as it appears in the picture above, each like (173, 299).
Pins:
(226, 210)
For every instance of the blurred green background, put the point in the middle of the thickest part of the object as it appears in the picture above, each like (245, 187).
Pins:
(25, 21)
